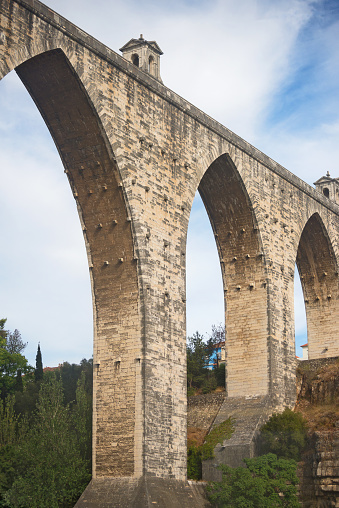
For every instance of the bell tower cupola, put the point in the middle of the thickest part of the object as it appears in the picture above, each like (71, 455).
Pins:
(329, 187)
(143, 54)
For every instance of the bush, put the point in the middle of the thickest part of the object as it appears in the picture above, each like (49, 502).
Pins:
(284, 434)
(267, 482)
(209, 384)
(194, 471)
(196, 454)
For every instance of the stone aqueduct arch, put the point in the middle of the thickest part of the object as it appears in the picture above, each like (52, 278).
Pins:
(135, 154)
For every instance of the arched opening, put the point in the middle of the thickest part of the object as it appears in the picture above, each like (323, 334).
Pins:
(326, 192)
(45, 291)
(135, 60)
(151, 65)
(93, 175)
(244, 283)
(318, 272)
(205, 301)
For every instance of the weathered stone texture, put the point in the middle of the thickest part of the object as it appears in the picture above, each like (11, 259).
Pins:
(319, 472)
(318, 381)
(144, 492)
(202, 410)
(248, 415)
(135, 154)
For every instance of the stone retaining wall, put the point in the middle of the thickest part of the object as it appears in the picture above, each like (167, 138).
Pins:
(202, 409)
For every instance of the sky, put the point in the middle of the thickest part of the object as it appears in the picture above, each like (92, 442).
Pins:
(266, 69)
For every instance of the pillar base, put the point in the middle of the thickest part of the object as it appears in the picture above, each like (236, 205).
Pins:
(142, 493)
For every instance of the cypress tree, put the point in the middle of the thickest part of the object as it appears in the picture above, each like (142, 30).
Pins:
(38, 373)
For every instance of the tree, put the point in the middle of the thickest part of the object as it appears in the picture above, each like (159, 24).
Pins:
(196, 360)
(284, 434)
(82, 418)
(70, 374)
(12, 429)
(11, 359)
(266, 482)
(39, 372)
(218, 335)
(15, 343)
(50, 471)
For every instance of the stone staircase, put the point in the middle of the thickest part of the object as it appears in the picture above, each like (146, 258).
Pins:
(249, 414)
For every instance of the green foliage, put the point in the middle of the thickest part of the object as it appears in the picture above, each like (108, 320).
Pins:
(70, 375)
(220, 375)
(266, 482)
(190, 392)
(196, 454)
(284, 434)
(45, 443)
(39, 371)
(51, 472)
(26, 400)
(11, 360)
(199, 352)
(8, 421)
(210, 383)
(194, 471)
(217, 435)
(8, 457)
(11, 431)
(196, 360)
(82, 418)
(218, 335)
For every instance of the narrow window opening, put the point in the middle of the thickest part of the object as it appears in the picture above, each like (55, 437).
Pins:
(135, 60)
(326, 192)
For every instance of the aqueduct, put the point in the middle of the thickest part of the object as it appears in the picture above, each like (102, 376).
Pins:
(135, 154)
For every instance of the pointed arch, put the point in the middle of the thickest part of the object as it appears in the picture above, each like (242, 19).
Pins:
(93, 174)
(242, 263)
(318, 271)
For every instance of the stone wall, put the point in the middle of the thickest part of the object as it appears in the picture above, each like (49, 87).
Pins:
(202, 410)
(318, 381)
(319, 471)
(318, 400)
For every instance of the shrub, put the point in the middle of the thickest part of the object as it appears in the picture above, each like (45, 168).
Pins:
(284, 434)
(194, 463)
(196, 454)
(209, 384)
(267, 482)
